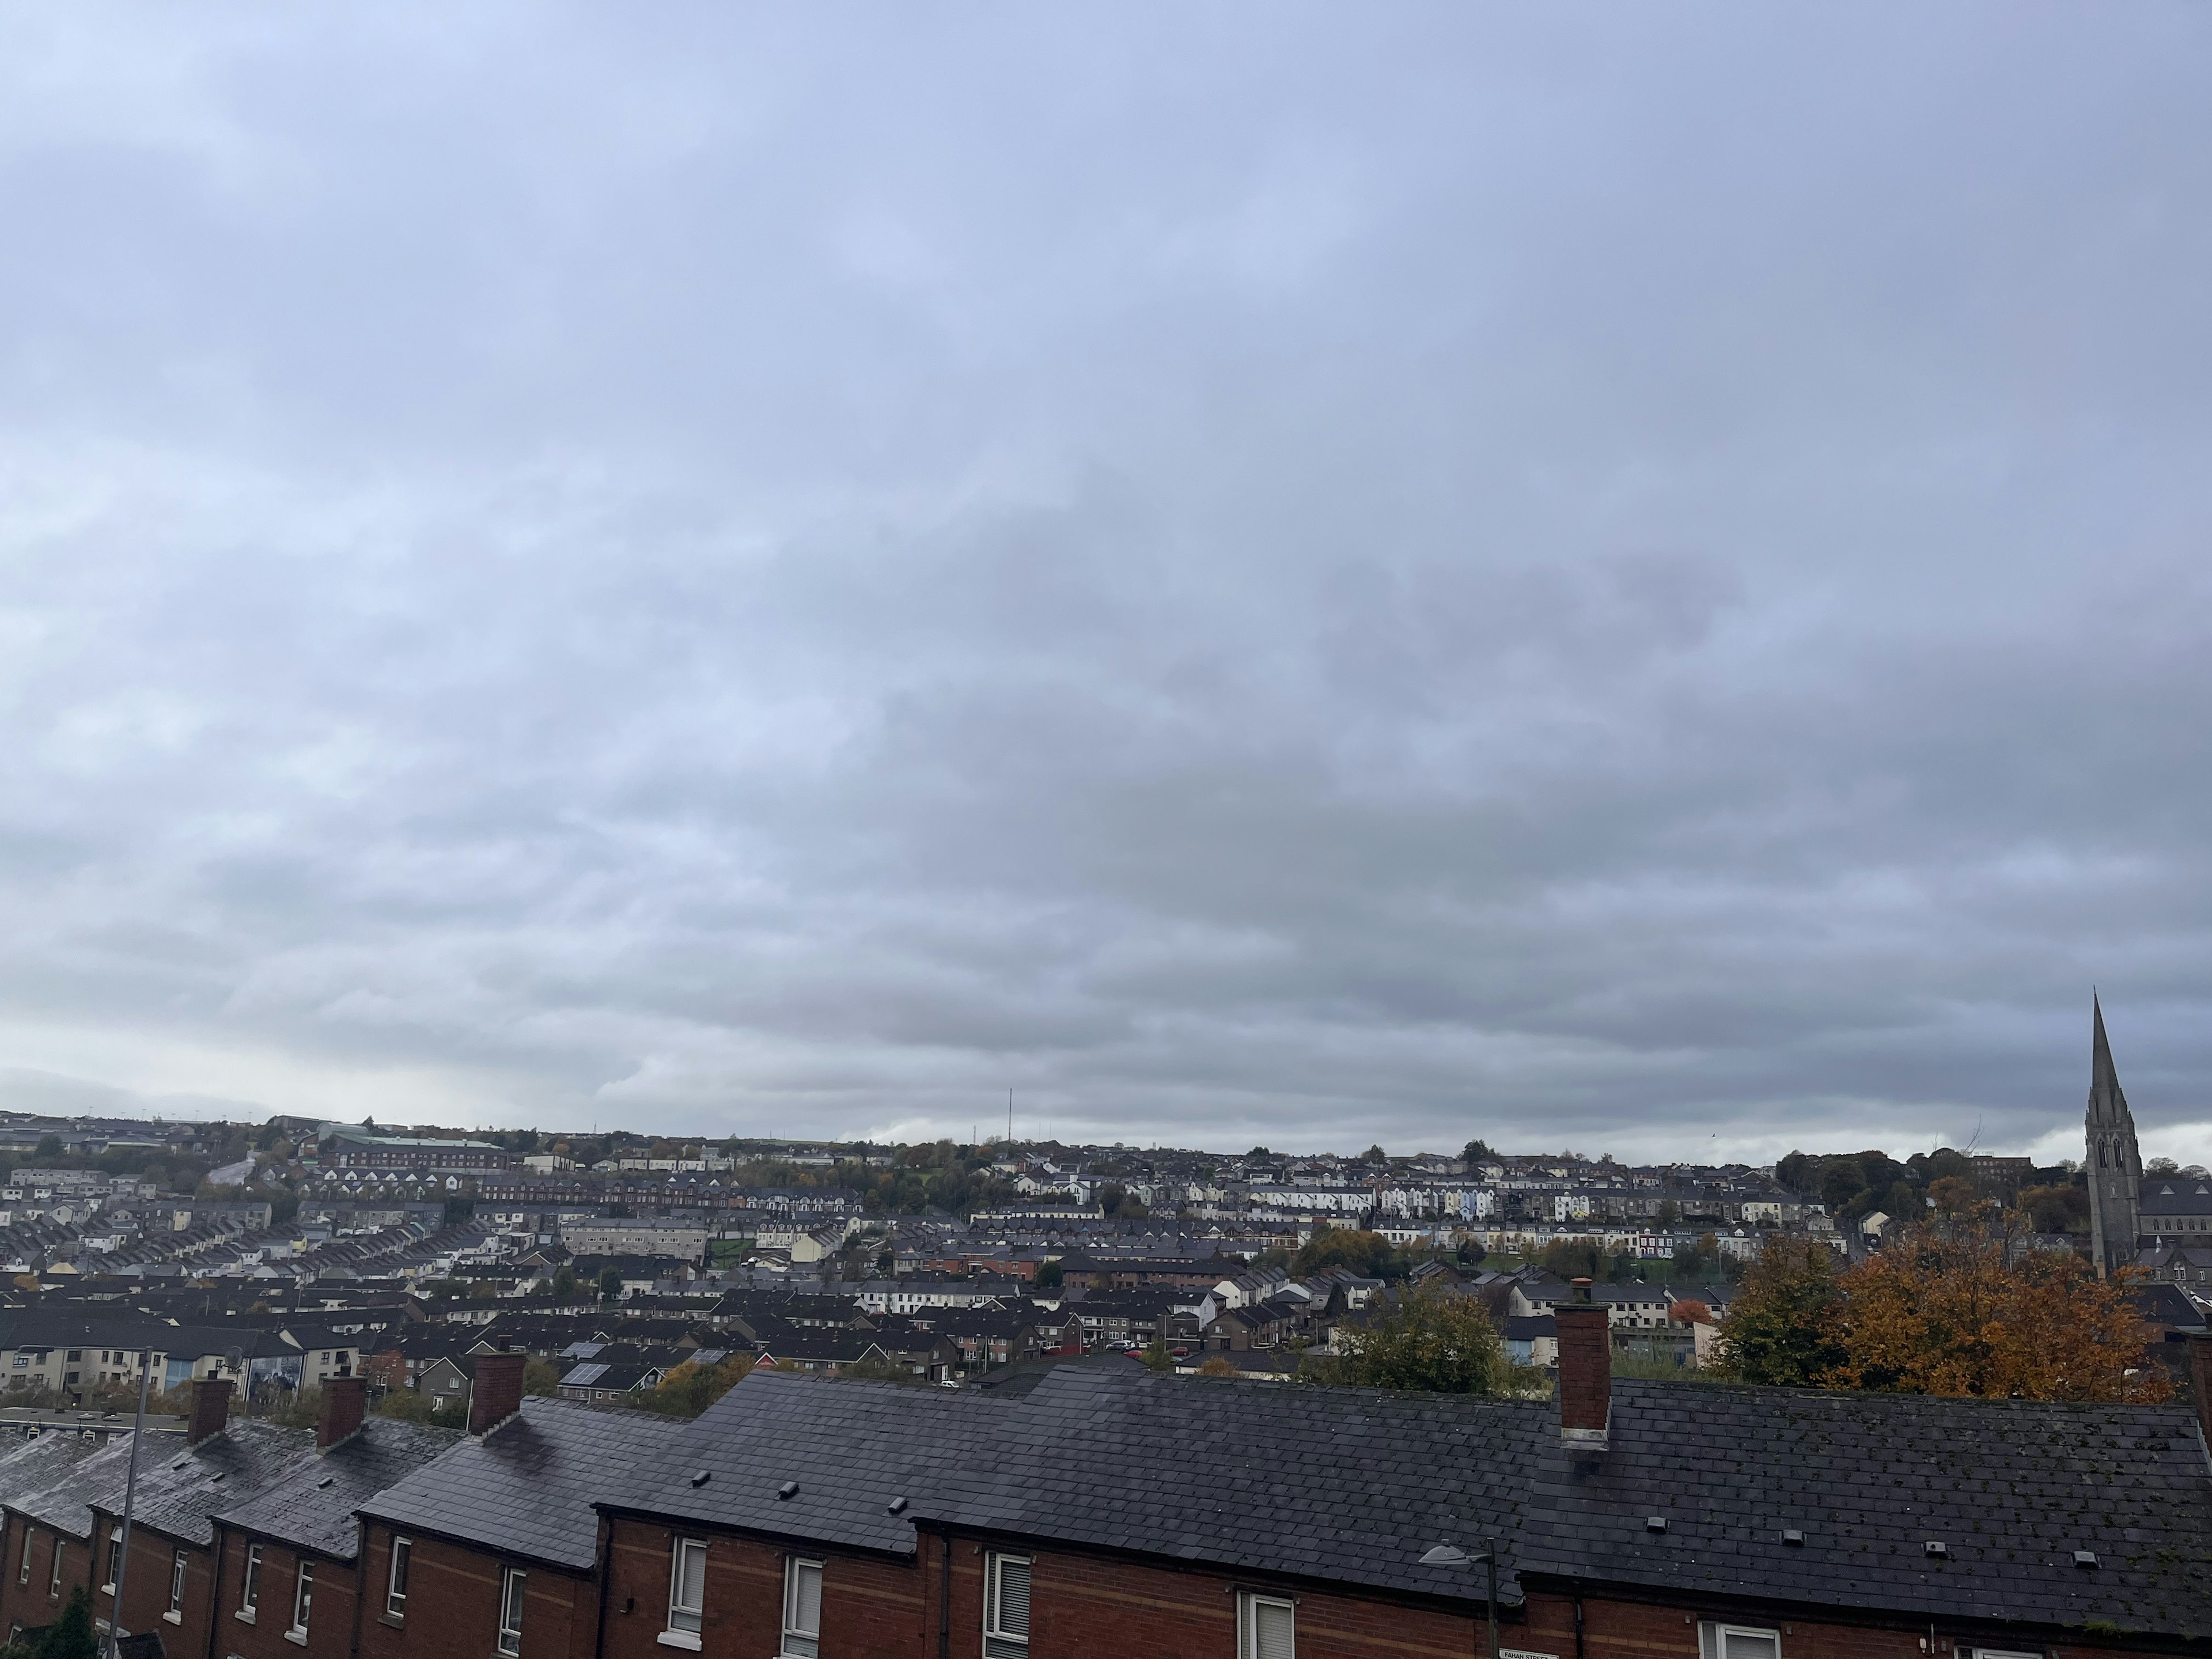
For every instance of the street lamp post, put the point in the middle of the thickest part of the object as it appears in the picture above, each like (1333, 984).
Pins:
(1450, 1555)
(130, 1502)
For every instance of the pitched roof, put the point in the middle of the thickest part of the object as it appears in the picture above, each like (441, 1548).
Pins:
(1343, 1485)
(851, 1447)
(181, 1490)
(310, 1503)
(2012, 1488)
(527, 1487)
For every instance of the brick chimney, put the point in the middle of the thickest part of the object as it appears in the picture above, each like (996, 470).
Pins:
(2200, 1382)
(345, 1403)
(1585, 1334)
(210, 1409)
(496, 1393)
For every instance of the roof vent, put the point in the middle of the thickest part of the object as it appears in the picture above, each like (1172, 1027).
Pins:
(1938, 1548)
(1655, 1523)
(324, 1481)
(897, 1506)
(1791, 1536)
(2085, 1557)
(789, 1489)
(702, 1477)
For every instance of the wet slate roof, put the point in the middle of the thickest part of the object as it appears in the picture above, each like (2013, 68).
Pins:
(34, 1465)
(1343, 1485)
(309, 1502)
(180, 1490)
(66, 1506)
(527, 1488)
(2010, 1488)
(851, 1447)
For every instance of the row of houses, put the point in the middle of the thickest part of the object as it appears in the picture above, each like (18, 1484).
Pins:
(1107, 1511)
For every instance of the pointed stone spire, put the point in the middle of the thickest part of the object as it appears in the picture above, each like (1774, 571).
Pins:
(2114, 1163)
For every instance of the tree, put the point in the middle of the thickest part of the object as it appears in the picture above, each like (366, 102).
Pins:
(1432, 1338)
(1375, 1154)
(408, 1404)
(49, 1146)
(1944, 1310)
(689, 1389)
(70, 1637)
(1157, 1360)
(564, 1283)
(1776, 1329)
(1370, 1256)
(541, 1378)
(610, 1284)
(1049, 1276)
(2063, 1209)
(1217, 1365)
(1668, 1212)
(1478, 1151)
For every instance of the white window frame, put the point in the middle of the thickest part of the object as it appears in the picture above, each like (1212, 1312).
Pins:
(179, 1564)
(685, 1621)
(799, 1643)
(249, 1586)
(512, 1588)
(303, 1598)
(54, 1577)
(401, 1557)
(999, 1642)
(114, 1555)
(1248, 1603)
(30, 1536)
(1713, 1634)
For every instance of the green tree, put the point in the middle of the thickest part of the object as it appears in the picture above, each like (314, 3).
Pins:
(541, 1378)
(1157, 1360)
(691, 1387)
(1375, 1154)
(49, 1146)
(564, 1283)
(408, 1404)
(1478, 1151)
(1369, 1254)
(1778, 1327)
(70, 1637)
(1049, 1276)
(1432, 1338)
(610, 1284)
(1668, 1212)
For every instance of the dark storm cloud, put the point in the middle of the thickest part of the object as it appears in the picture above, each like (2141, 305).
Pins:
(1626, 581)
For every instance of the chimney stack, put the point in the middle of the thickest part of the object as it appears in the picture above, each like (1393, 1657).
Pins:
(1585, 1337)
(2200, 1382)
(495, 1394)
(345, 1403)
(210, 1409)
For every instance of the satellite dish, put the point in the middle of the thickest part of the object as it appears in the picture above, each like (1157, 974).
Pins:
(233, 1357)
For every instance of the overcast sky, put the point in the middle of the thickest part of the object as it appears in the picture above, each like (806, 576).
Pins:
(1636, 578)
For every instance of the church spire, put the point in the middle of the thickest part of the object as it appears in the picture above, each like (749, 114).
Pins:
(2114, 1163)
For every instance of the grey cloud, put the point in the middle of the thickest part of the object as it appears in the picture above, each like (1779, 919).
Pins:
(1302, 581)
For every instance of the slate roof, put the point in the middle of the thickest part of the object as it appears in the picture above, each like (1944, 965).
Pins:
(35, 1465)
(66, 1506)
(527, 1487)
(1348, 1485)
(2012, 1488)
(180, 1490)
(852, 1447)
(310, 1503)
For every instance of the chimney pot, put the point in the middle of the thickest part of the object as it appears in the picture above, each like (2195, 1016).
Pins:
(495, 1394)
(345, 1403)
(210, 1409)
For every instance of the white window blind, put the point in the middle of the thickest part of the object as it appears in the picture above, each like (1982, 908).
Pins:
(687, 1585)
(303, 1595)
(802, 1609)
(1268, 1628)
(1006, 1609)
(1719, 1641)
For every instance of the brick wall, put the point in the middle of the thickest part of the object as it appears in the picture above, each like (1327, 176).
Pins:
(28, 1605)
(872, 1607)
(1083, 1605)
(452, 1604)
(330, 1618)
(146, 1586)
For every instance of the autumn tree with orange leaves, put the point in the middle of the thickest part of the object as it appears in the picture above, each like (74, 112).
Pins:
(1952, 1307)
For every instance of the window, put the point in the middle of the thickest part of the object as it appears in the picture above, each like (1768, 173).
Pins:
(249, 1595)
(54, 1578)
(177, 1584)
(802, 1608)
(1266, 1627)
(510, 1610)
(1719, 1641)
(303, 1597)
(395, 1590)
(114, 1557)
(24, 1577)
(687, 1593)
(1006, 1608)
